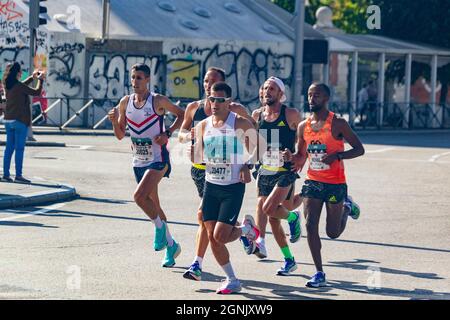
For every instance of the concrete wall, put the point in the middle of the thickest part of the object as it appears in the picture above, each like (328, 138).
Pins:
(79, 69)
(247, 65)
(14, 36)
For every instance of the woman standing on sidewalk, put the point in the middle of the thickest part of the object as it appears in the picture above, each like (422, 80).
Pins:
(18, 116)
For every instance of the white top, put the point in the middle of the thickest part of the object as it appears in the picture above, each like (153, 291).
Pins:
(223, 152)
(144, 124)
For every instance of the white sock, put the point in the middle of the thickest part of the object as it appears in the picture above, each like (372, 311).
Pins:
(168, 236)
(199, 260)
(158, 222)
(228, 269)
(261, 240)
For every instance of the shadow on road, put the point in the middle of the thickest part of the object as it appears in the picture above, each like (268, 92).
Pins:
(416, 294)
(358, 264)
(109, 201)
(25, 224)
(409, 139)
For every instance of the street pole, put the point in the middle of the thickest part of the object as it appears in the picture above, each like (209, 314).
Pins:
(33, 23)
(299, 36)
(32, 49)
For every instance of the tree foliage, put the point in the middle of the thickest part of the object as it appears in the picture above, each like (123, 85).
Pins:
(421, 21)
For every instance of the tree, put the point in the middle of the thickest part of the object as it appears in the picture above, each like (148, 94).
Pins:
(423, 21)
(288, 5)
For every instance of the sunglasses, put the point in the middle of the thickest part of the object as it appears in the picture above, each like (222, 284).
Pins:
(218, 99)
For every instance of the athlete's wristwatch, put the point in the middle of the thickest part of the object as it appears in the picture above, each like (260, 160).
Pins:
(249, 165)
(168, 133)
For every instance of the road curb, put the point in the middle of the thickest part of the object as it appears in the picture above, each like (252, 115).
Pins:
(69, 133)
(63, 193)
(40, 144)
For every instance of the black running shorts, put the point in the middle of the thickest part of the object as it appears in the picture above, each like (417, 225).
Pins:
(331, 193)
(266, 183)
(222, 203)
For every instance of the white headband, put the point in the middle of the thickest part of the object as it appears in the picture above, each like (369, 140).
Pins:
(280, 85)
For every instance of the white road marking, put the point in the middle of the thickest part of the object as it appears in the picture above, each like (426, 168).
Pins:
(437, 156)
(402, 160)
(40, 211)
(81, 147)
(381, 150)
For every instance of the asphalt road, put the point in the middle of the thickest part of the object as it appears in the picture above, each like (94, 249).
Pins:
(100, 245)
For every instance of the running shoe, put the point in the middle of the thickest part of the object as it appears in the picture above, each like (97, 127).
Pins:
(229, 286)
(160, 242)
(250, 225)
(171, 253)
(261, 251)
(194, 272)
(249, 246)
(353, 206)
(295, 228)
(289, 266)
(318, 280)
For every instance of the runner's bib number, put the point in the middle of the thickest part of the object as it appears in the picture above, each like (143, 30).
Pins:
(273, 158)
(218, 171)
(316, 154)
(142, 149)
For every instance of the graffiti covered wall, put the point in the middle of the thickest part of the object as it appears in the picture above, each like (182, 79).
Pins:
(109, 76)
(65, 73)
(247, 65)
(14, 36)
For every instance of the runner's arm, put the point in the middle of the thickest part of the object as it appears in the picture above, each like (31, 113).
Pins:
(163, 104)
(118, 118)
(350, 136)
(197, 147)
(300, 156)
(185, 131)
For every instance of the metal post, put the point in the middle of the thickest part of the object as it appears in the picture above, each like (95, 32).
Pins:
(87, 105)
(326, 71)
(434, 62)
(299, 36)
(46, 111)
(353, 88)
(408, 66)
(100, 122)
(381, 61)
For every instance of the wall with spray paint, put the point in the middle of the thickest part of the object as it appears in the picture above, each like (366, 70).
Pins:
(77, 70)
(247, 65)
(14, 36)
(65, 74)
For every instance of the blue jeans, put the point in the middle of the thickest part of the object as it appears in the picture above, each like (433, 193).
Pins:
(16, 136)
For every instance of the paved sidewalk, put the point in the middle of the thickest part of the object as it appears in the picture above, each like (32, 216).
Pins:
(39, 192)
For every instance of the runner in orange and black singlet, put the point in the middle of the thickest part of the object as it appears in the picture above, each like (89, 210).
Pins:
(321, 141)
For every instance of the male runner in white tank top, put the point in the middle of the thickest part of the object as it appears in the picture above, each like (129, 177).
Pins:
(143, 112)
(195, 112)
(220, 141)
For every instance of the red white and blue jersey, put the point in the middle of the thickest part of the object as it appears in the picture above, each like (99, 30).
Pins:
(144, 124)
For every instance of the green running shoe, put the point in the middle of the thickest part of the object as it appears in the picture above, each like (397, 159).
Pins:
(171, 253)
(160, 242)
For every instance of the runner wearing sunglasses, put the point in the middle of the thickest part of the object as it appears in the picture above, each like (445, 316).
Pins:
(220, 141)
(196, 112)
